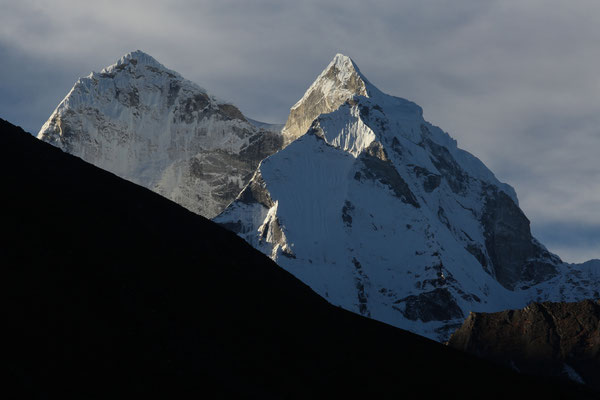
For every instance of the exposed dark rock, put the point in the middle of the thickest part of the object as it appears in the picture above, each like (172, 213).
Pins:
(196, 103)
(122, 66)
(540, 339)
(160, 71)
(196, 168)
(231, 112)
(478, 253)
(134, 97)
(359, 282)
(446, 164)
(515, 255)
(206, 164)
(376, 166)
(537, 271)
(397, 148)
(216, 167)
(261, 146)
(431, 181)
(255, 192)
(346, 213)
(437, 305)
(129, 98)
(376, 150)
(174, 88)
(442, 278)
(199, 107)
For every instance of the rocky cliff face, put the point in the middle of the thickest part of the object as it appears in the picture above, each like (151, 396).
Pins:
(557, 339)
(381, 213)
(337, 84)
(151, 126)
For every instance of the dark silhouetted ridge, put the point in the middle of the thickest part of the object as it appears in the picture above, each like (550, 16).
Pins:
(115, 292)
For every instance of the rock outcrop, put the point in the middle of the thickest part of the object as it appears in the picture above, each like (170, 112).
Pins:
(333, 87)
(557, 339)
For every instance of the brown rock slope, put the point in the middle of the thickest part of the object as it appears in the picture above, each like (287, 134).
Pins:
(556, 339)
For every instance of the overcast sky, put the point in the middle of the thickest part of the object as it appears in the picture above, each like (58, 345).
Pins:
(516, 82)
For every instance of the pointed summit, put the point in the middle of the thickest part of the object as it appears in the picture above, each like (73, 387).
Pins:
(137, 59)
(148, 124)
(381, 213)
(344, 69)
(339, 82)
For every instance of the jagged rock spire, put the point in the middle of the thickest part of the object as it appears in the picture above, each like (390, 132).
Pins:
(340, 81)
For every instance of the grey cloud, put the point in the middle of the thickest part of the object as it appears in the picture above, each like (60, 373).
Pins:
(515, 82)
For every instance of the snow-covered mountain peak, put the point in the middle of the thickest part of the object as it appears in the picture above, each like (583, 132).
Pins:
(350, 113)
(340, 59)
(148, 124)
(380, 212)
(340, 81)
(137, 59)
(344, 68)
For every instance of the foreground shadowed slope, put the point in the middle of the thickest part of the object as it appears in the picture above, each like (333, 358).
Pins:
(115, 291)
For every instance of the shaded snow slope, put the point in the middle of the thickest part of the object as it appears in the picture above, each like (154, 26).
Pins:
(381, 213)
(149, 125)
